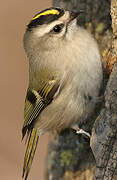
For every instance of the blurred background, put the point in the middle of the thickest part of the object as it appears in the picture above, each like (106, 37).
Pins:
(13, 84)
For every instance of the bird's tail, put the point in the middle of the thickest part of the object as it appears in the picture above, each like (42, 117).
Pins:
(30, 152)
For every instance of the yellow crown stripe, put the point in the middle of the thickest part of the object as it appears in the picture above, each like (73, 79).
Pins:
(53, 11)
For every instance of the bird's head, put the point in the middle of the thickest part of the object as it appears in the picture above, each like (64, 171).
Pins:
(49, 29)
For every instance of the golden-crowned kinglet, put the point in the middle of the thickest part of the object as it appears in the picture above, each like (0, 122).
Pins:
(65, 75)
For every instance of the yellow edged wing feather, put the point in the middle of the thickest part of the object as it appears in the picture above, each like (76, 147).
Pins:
(34, 104)
(30, 151)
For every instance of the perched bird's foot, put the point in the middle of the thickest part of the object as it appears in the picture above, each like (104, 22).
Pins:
(80, 131)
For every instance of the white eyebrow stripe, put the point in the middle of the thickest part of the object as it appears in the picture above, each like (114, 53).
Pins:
(46, 28)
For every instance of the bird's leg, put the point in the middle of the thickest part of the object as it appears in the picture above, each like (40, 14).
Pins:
(80, 131)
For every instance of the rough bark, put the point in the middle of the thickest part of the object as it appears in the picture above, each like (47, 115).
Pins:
(70, 155)
(104, 137)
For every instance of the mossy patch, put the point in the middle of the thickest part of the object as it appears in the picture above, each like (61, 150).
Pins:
(66, 157)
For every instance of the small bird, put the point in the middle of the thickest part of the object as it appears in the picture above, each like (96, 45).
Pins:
(65, 76)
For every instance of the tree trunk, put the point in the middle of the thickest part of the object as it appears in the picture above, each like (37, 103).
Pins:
(104, 137)
(70, 156)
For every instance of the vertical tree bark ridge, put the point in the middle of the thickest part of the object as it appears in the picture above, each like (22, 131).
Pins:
(104, 136)
(114, 26)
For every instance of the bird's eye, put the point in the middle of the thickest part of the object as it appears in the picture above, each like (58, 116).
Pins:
(58, 28)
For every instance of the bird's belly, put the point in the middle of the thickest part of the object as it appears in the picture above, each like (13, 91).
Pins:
(61, 113)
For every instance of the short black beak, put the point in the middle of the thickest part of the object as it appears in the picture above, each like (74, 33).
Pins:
(74, 15)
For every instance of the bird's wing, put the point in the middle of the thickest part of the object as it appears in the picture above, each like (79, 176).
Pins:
(30, 152)
(34, 104)
(36, 101)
